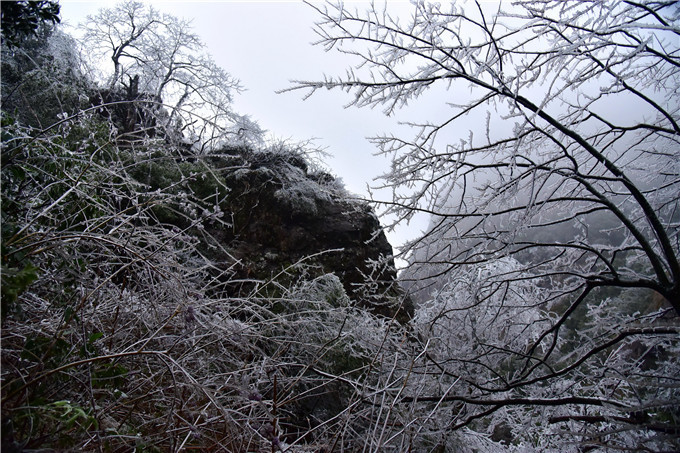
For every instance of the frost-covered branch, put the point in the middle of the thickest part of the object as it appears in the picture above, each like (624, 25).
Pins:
(550, 268)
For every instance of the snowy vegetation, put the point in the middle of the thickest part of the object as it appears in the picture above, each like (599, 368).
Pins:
(547, 285)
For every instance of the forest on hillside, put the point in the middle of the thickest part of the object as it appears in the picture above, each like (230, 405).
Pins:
(174, 279)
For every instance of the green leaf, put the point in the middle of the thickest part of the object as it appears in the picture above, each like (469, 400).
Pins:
(94, 337)
(14, 282)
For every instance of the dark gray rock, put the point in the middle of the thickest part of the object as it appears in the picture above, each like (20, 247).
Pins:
(283, 214)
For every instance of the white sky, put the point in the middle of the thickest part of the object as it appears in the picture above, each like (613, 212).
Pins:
(265, 44)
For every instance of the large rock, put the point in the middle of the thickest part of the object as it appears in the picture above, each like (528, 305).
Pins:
(284, 214)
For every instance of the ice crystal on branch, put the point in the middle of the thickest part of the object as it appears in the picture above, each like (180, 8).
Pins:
(554, 152)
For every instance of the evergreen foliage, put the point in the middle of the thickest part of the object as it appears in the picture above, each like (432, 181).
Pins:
(22, 19)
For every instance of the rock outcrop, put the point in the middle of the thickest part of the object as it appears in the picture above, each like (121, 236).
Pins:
(282, 214)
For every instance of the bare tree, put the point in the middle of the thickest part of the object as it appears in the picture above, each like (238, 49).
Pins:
(572, 179)
(165, 56)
